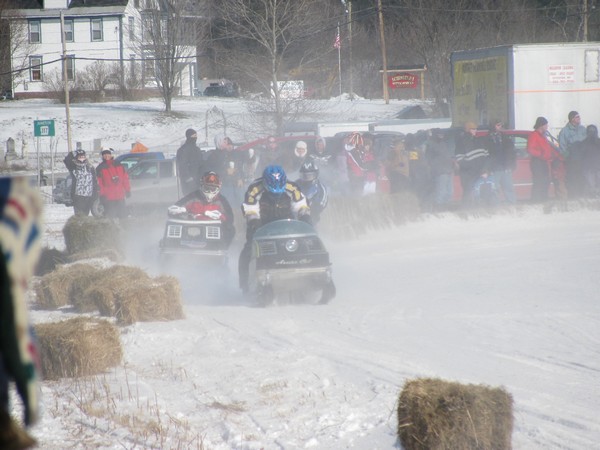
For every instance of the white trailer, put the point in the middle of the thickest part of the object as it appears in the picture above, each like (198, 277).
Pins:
(518, 83)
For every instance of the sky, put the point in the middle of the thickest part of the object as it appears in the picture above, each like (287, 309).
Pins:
(506, 300)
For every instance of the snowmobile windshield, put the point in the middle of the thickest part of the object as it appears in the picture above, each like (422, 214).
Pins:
(280, 228)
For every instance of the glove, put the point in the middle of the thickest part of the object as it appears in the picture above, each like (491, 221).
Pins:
(251, 226)
(176, 210)
(213, 214)
(305, 218)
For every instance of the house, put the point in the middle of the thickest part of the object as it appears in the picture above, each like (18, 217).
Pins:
(112, 34)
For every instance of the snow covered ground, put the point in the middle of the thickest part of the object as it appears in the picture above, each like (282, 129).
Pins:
(508, 300)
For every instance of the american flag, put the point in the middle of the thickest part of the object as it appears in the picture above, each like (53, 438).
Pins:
(337, 43)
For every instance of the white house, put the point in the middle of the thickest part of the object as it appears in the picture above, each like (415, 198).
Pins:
(94, 30)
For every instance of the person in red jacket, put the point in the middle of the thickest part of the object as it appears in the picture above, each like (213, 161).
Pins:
(547, 163)
(113, 183)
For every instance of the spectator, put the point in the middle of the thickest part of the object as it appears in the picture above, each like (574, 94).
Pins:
(269, 154)
(84, 187)
(291, 161)
(397, 167)
(228, 164)
(570, 138)
(362, 166)
(20, 244)
(503, 160)
(113, 182)
(420, 178)
(472, 160)
(189, 162)
(590, 149)
(442, 165)
(546, 162)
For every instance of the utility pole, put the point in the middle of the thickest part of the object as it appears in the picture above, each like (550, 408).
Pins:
(585, 20)
(350, 49)
(66, 79)
(386, 95)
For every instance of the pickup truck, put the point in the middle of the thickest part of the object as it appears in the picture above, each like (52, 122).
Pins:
(154, 183)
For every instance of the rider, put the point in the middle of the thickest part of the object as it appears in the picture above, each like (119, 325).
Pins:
(269, 198)
(207, 203)
(315, 192)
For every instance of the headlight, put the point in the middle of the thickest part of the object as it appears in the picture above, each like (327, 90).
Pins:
(291, 245)
(194, 231)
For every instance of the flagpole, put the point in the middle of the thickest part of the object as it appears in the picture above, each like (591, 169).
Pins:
(339, 49)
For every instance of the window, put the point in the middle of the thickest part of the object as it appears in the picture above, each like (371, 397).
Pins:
(35, 32)
(132, 29)
(35, 68)
(70, 62)
(149, 72)
(97, 30)
(69, 37)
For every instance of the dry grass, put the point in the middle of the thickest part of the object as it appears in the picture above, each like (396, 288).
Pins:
(78, 347)
(437, 415)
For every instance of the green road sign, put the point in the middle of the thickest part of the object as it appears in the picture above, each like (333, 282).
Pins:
(43, 128)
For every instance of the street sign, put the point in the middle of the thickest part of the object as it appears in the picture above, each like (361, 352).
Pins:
(43, 128)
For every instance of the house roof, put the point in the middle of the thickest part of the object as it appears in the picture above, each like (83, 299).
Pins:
(32, 9)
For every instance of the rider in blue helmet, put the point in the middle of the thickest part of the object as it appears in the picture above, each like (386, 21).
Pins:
(274, 179)
(269, 198)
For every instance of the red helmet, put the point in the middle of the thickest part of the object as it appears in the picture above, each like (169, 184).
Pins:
(210, 185)
(356, 139)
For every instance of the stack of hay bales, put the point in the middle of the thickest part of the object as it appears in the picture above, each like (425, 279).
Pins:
(127, 293)
(78, 347)
(434, 414)
(350, 217)
(89, 237)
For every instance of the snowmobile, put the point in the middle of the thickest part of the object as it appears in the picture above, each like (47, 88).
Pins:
(194, 235)
(289, 258)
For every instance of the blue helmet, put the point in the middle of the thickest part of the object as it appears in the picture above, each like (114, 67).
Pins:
(274, 179)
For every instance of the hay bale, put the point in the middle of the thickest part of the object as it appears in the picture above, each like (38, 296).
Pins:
(101, 290)
(145, 302)
(50, 258)
(434, 414)
(78, 347)
(84, 233)
(55, 288)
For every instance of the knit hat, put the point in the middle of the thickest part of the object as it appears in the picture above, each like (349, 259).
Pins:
(190, 132)
(301, 144)
(572, 115)
(107, 151)
(540, 122)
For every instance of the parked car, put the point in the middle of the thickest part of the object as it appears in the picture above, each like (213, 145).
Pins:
(228, 89)
(128, 160)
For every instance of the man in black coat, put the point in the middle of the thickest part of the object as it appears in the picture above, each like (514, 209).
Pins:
(189, 162)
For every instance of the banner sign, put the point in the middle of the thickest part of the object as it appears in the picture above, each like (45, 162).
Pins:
(403, 81)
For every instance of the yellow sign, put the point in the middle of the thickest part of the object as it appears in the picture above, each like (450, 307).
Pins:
(480, 91)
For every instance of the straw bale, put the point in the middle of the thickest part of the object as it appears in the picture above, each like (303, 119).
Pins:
(158, 300)
(50, 258)
(55, 288)
(435, 415)
(84, 233)
(78, 347)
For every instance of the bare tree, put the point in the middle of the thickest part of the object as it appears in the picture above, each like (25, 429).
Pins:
(270, 38)
(167, 43)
